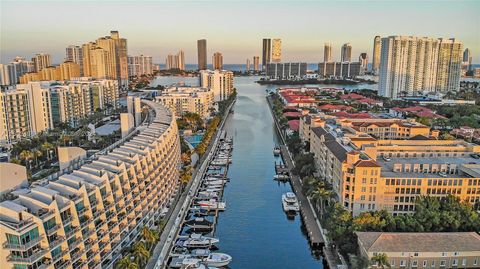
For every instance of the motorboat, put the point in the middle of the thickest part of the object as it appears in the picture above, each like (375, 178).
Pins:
(213, 167)
(198, 212)
(212, 259)
(219, 162)
(212, 188)
(208, 193)
(212, 205)
(290, 202)
(281, 177)
(196, 241)
(214, 178)
(215, 182)
(186, 261)
(276, 151)
(221, 175)
(199, 224)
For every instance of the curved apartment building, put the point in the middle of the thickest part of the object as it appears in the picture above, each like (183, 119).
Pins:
(84, 218)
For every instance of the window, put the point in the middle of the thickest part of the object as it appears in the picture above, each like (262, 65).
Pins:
(442, 263)
(464, 262)
(402, 263)
(454, 262)
(414, 263)
(425, 263)
(433, 263)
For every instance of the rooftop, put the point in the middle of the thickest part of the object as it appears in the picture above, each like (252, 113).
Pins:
(419, 242)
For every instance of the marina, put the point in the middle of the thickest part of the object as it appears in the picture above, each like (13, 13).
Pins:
(196, 240)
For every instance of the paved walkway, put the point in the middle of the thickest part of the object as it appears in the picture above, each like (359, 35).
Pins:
(167, 238)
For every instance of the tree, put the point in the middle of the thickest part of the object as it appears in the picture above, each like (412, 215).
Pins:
(380, 260)
(149, 236)
(126, 263)
(320, 194)
(185, 175)
(140, 254)
(36, 154)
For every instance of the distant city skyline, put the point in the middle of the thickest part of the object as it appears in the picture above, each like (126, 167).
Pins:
(302, 39)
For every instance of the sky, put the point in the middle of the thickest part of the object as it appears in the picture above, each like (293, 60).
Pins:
(234, 28)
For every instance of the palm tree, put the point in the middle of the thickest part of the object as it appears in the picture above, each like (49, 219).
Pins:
(380, 260)
(149, 236)
(140, 254)
(46, 146)
(36, 154)
(126, 263)
(26, 156)
(319, 193)
(185, 175)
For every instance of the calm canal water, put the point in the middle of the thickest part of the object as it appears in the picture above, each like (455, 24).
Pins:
(254, 229)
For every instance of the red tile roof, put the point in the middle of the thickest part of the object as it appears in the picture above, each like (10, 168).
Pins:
(335, 107)
(367, 163)
(292, 114)
(352, 95)
(293, 125)
(343, 114)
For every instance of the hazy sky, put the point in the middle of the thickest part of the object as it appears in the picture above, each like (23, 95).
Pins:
(235, 28)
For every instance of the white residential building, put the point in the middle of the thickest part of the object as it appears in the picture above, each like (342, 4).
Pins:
(182, 99)
(220, 81)
(140, 65)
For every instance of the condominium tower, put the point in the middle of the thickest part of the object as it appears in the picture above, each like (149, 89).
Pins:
(276, 50)
(202, 54)
(217, 61)
(140, 65)
(182, 99)
(266, 52)
(85, 218)
(377, 45)
(175, 61)
(346, 55)
(327, 53)
(412, 64)
(74, 54)
(256, 63)
(41, 61)
(220, 81)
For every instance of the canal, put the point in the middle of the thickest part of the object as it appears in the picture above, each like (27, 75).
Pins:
(254, 230)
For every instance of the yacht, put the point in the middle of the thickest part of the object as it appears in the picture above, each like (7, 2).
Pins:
(186, 261)
(276, 151)
(290, 202)
(281, 177)
(199, 225)
(215, 183)
(212, 259)
(211, 205)
(196, 241)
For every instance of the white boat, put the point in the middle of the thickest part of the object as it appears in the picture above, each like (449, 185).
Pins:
(212, 205)
(211, 259)
(186, 261)
(276, 151)
(219, 162)
(213, 194)
(290, 202)
(281, 177)
(196, 241)
(215, 182)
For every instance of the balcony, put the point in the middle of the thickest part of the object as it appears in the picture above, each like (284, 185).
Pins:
(75, 256)
(25, 246)
(72, 232)
(56, 242)
(67, 220)
(20, 225)
(63, 265)
(53, 229)
(75, 243)
(29, 260)
(44, 213)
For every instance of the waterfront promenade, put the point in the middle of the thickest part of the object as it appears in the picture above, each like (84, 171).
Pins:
(167, 239)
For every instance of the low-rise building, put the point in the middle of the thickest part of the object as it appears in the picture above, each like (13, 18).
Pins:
(422, 250)
(181, 99)
(374, 174)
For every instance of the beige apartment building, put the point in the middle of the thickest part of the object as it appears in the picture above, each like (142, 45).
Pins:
(24, 111)
(187, 99)
(220, 81)
(369, 174)
(422, 250)
(64, 71)
(84, 219)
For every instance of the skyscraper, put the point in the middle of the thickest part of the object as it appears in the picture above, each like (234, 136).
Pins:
(217, 61)
(175, 61)
(346, 52)
(140, 65)
(256, 63)
(248, 65)
(74, 54)
(41, 61)
(467, 59)
(377, 47)
(363, 59)
(327, 53)
(277, 50)
(409, 64)
(181, 60)
(266, 52)
(202, 54)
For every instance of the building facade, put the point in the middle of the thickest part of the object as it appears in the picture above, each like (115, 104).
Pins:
(412, 64)
(220, 81)
(24, 111)
(340, 69)
(370, 174)
(286, 70)
(377, 47)
(217, 61)
(41, 61)
(140, 65)
(346, 55)
(84, 219)
(64, 71)
(327, 53)
(202, 54)
(276, 50)
(266, 52)
(256, 63)
(175, 61)
(187, 99)
(422, 250)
